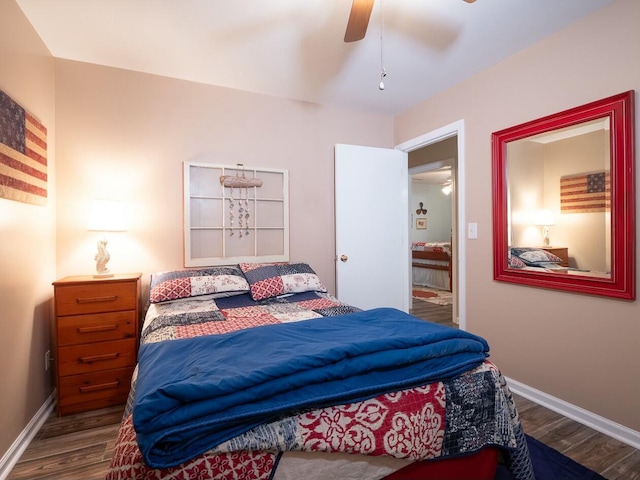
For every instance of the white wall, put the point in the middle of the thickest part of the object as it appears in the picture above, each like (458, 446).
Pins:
(438, 206)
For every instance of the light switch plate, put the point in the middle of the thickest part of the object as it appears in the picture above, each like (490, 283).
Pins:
(472, 230)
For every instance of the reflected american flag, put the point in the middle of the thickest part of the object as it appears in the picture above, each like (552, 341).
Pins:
(584, 193)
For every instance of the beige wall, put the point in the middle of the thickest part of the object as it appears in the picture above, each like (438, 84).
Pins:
(27, 238)
(582, 349)
(126, 134)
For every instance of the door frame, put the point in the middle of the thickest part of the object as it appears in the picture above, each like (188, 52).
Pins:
(458, 274)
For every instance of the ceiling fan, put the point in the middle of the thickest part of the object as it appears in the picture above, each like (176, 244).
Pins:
(359, 19)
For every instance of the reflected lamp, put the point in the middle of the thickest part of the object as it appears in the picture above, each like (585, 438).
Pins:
(544, 218)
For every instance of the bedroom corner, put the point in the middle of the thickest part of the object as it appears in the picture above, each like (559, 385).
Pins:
(27, 249)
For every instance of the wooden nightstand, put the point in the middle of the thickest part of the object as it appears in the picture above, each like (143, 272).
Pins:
(96, 335)
(561, 252)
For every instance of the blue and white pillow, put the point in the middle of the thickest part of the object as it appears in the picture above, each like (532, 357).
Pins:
(534, 257)
(268, 280)
(206, 283)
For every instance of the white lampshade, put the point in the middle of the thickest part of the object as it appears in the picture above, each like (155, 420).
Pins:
(106, 216)
(544, 217)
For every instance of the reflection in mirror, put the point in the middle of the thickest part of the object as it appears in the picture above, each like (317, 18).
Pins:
(564, 200)
(559, 197)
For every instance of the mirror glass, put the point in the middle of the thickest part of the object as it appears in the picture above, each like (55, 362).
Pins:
(564, 200)
(559, 197)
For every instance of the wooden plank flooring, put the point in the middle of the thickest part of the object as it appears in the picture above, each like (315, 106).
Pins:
(75, 447)
(433, 312)
(79, 447)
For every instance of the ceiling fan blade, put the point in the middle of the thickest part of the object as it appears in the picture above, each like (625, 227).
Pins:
(358, 20)
(469, 1)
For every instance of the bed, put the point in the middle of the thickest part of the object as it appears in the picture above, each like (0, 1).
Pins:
(431, 264)
(534, 258)
(256, 372)
(540, 260)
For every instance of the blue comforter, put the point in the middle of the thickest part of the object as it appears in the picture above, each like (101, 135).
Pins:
(196, 393)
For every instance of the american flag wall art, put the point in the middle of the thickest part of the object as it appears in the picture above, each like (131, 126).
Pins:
(23, 154)
(585, 193)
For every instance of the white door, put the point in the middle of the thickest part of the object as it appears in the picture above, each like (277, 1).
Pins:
(371, 195)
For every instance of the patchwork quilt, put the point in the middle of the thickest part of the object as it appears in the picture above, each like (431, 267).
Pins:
(444, 247)
(449, 417)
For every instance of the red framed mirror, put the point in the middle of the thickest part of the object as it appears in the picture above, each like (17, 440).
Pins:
(564, 200)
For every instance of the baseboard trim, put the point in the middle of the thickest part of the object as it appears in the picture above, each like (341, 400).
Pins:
(11, 457)
(580, 415)
(603, 425)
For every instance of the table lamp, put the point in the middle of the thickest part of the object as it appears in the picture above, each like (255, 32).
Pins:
(105, 216)
(544, 218)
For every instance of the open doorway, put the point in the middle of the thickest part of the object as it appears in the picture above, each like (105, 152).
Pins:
(449, 138)
(432, 173)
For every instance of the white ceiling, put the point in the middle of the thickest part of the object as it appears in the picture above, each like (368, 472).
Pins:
(295, 48)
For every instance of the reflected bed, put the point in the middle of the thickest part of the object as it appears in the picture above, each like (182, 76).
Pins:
(431, 264)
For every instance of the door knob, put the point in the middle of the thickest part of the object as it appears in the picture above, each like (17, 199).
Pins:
(343, 258)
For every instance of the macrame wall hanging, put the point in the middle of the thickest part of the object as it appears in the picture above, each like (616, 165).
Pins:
(241, 183)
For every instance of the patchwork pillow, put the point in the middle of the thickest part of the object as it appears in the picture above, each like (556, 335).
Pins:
(268, 280)
(515, 262)
(215, 282)
(534, 256)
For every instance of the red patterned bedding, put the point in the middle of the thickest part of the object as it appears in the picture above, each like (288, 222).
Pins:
(372, 438)
(444, 247)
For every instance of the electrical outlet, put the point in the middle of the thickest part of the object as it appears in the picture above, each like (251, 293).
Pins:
(47, 360)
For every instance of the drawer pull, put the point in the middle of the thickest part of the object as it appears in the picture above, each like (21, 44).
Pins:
(101, 386)
(99, 358)
(109, 298)
(97, 328)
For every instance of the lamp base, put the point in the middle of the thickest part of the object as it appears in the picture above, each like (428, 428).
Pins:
(101, 258)
(545, 234)
(103, 275)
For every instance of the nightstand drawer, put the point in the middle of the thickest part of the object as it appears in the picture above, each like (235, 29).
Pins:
(95, 298)
(93, 357)
(96, 327)
(95, 386)
(97, 334)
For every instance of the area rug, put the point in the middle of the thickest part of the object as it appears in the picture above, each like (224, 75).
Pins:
(549, 464)
(432, 295)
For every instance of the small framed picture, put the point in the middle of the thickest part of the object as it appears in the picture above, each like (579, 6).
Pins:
(421, 223)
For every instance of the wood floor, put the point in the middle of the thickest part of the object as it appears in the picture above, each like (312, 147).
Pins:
(79, 447)
(442, 314)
